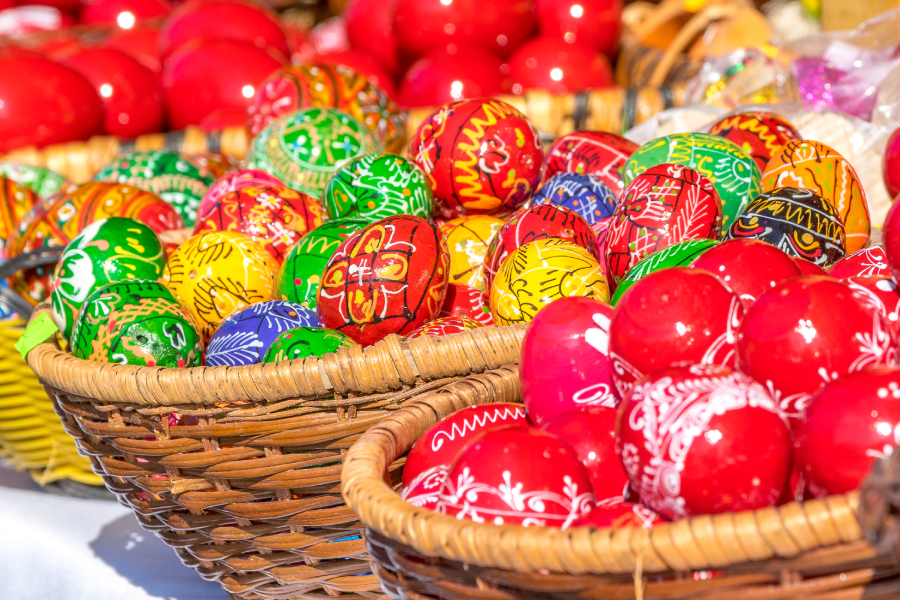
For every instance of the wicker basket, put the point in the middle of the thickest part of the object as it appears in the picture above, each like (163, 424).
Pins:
(246, 485)
(810, 550)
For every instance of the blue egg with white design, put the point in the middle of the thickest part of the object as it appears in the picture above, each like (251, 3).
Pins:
(245, 337)
(587, 195)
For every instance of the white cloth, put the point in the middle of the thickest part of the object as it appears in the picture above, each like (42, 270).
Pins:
(72, 549)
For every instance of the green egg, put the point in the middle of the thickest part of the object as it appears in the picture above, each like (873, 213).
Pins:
(302, 342)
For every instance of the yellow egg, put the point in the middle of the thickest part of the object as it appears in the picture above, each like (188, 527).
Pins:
(468, 239)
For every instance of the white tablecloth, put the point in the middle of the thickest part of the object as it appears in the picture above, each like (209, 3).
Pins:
(55, 547)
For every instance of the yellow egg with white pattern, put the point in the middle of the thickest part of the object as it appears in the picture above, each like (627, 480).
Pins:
(468, 239)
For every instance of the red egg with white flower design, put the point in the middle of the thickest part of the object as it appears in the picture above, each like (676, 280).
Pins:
(463, 300)
(444, 326)
(868, 262)
(591, 153)
(701, 440)
(619, 514)
(880, 294)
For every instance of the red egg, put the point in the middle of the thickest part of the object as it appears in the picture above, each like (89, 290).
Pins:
(880, 294)
(806, 332)
(868, 262)
(302, 49)
(202, 78)
(424, 489)
(43, 102)
(594, 24)
(234, 181)
(809, 268)
(761, 135)
(132, 98)
(139, 44)
(517, 475)
(363, 65)
(224, 118)
(370, 29)
(13, 51)
(850, 423)
(749, 267)
(440, 77)
(675, 315)
(330, 36)
(565, 359)
(591, 153)
(557, 67)
(619, 514)
(591, 433)
(23, 21)
(891, 164)
(123, 13)
(463, 300)
(891, 231)
(496, 25)
(700, 440)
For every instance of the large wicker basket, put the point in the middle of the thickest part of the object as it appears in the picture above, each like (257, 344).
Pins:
(246, 485)
(809, 550)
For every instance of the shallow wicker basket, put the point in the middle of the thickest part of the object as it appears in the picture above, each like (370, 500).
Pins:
(248, 493)
(810, 550)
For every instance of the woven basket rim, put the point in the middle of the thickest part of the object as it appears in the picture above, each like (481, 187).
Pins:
(689, 544)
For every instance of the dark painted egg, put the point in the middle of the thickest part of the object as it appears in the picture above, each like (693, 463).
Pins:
(586, 195)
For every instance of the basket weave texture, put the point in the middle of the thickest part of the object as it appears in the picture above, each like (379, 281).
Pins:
(247, 491)
(809, 550)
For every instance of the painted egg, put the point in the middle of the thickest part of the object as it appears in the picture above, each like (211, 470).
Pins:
(594, 153)
(849, 424)
(468, 240)
(40, 180)
(305, 148)
(664, 205)
(673, 316)
(809, 268)
(302, 269)
(868, 262)
(552, 487)
(387, 278)
(303, 342)
(465, 301)
(880, 294)
(565, 359)
(797, 222)
(761, 135)
(274, 217)
(15, 202)
(444, 326)
(591, 433)
(587, 195)
(819, 168)
(136, 322)
(891, 230)
(538, 273)
(234, 181)
(537, 223)
(178, 180)
(217, 273)
(791, 342)
(480, 156)
(108, 250)
(377, 186)
(702, 440)
(328, 86)
(734, 174)
(245, 336)
(681, 254)
(749, 267)
(619, 515)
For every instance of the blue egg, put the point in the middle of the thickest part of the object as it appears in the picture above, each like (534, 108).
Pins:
(585, 194)
(244, 337)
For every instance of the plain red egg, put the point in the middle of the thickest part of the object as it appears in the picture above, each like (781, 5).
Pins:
(496, 25)
(560, 68)
(364, 65)
(809, 268)
(132, 98)
(891, 164)
(880, 294)
(370, 30)
(204, 77)
(442, 76)
(123, 13)
(868, 262)
(140, 44)
(594, 24)
(221, 20)
(224, 118)
(891, 231)
(43, 102)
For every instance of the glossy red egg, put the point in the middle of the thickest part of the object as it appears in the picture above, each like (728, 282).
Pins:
(891, 164)
(749, 267)
(545, 483)
(557, 67)
(565, 359)
(364, 65)
(868, 262)
(594, 24)
(591, 153)
(220, 74)
(43, 102)
(675, 315)
(701, 440)
(370, 30)
(891, 231)
(880, 294)
(809, 268)
(140, 44)
(123, 14)
(440, 77)
(619, 514)
(224, 118)
(463, 300)
(131, 95)
(806, 332)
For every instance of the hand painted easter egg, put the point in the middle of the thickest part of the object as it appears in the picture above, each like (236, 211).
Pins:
(106, 251)
(302, 269)
(41, 180)
(234, 181)
(681, 254)
(15, 202)
(538, 273)
(797, 222)
(245, 336)
(619, 514)
(868, 262)
(761, 135)
(377, 186)
(274, 217)
(444, 326)
(587, 195)
(880, 294)
(734, 174)
(565, 359)
(664, 205)
(480, 156)
(468, 240)
(217, 273)
(303, 342)
(703, 440)
(305, 148)
(387, 278)
(809, 268)
(136, 322)
(596, 153)
(465, 301)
